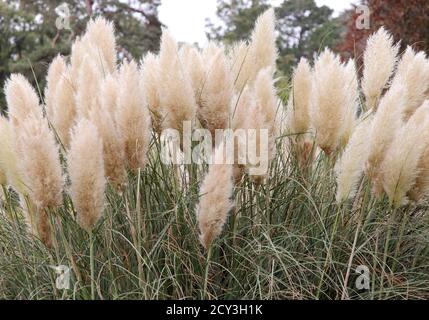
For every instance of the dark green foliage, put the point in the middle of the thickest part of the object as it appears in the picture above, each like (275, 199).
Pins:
(30, 39)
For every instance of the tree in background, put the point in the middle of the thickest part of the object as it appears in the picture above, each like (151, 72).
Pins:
(407, 20)
(304, 28)
(30, 38)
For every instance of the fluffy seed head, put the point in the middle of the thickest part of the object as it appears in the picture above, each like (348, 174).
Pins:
(56, 71)
(64, 108)
(351, 165)
(413, 73)
(86, 170)
(329, 101)
(262, 50)
(216, 95)
(101, 35)
(39, 163)
(133, 118)
(215, 203)
(150, 82)
(177, 96)
(400, 165)
(386, 121)
(21, 99)
(380, 57)
(113, 147)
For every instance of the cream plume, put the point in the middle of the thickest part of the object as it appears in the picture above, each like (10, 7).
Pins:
(177, 96)
(350, 167)
(400, 165)
(299, 115)
(329, 101)
(380, 57)
(413, 73)
(56, 71)
(100, 34)
(88, 87)
(387, 121)
(40, 169)
(64, 108)
(216, 95)
(133, 118)
(109, 93)
(150, 82)
(8, 156)
(352, 89)
(113, 145)
(194, 65)
(262, 50)
(21, 99)
(215, 203)
(86, 170)
(39, 163)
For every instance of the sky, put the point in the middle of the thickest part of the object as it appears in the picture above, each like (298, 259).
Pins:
(186, 18)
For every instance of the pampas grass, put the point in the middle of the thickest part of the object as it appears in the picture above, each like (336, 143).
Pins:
(399, 168)
(86, 170)
(330, 95)
(216, 95)
(133, 118)
(146, 227)
(215, 203)
(380, 58)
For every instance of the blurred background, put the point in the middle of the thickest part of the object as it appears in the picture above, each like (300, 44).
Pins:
(32, 32)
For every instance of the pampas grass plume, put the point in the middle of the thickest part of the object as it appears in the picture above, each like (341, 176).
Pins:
(216, 95)
(86, 170)
(400, 165)
(351, 165)
(56, 71)
(21, 98)
(215, 202)
(380, 57)
(133, 118)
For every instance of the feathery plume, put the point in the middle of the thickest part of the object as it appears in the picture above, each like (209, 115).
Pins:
(193, 64)
(86, 170)
(380, 57)
(8, 157)
(413, 73)
(21, 99)
(39, 163)
(350, 166)
(64, 108)
(100, 34)
(400, 165)
(77, 56)
(352, 88)
(56, 71)
(133, 118)
(329, 101)
(88, 87)
(177, 96)
(387, 121)
(262, 50)
(150, 82)
(40, 168)
(216, 95)
(109, 93)
(113, 147)
(299, 115)
(215, 203)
